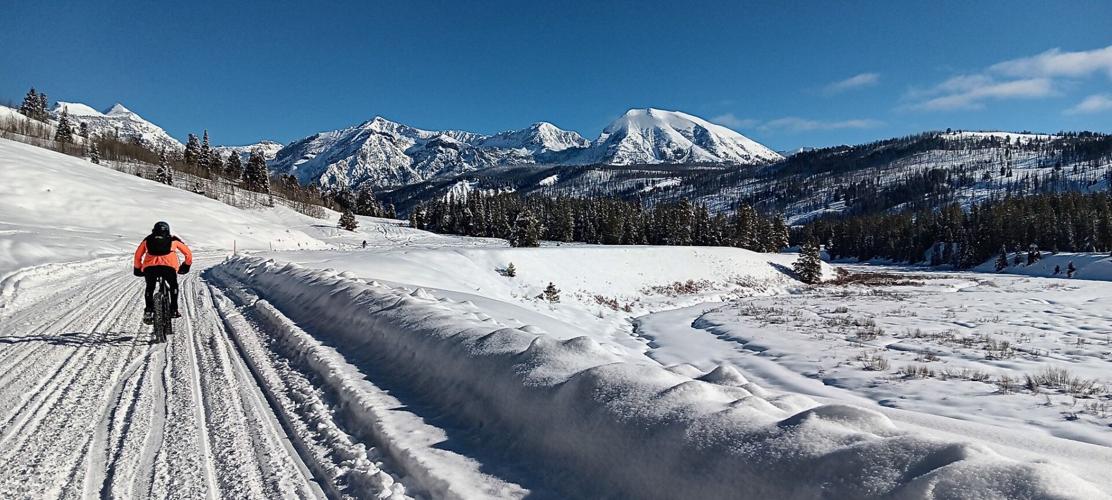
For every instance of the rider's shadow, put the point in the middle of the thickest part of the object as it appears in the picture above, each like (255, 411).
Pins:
(74, 339)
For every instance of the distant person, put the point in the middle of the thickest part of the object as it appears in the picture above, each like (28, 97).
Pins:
(364, 243)
(157, 257)
(1070, 270)
(1057, 270)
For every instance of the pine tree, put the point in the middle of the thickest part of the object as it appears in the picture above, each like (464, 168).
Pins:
(233, 168)
(64, 132)
(192, 150)
(779, 236)
(366, 204)
(30, 105)
(42, 111)
(255, 175)
(551, 293)
(204, 154)
(525, 232)
(808, 266)
(83, 130)
(216, 163)
(510, 271)
(1002, 260)
(164, 174)
(94, 153)
(347, 220)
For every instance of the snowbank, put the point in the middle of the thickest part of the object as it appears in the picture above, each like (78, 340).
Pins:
(630, 429)
(1090, 266)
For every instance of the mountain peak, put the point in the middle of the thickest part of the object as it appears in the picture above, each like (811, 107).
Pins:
(117, 110)
(652, 135)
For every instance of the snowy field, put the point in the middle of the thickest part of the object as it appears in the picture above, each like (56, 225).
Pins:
(309, 366)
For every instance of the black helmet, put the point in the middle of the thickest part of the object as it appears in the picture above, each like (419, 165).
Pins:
(162, 228)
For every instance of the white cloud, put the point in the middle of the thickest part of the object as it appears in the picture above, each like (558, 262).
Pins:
(1055, 63)
(797, 124)
(971, 92)
(732, 121)
(853, 82)
(1095, 103)
(1024, 78)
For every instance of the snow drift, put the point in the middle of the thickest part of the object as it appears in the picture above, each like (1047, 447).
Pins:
(633, 428)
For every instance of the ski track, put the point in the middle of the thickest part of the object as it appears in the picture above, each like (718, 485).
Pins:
(89, 408)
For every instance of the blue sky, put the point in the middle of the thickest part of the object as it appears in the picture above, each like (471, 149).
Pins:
(784, 73)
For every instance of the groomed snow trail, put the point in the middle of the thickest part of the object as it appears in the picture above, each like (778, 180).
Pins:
(90, 408)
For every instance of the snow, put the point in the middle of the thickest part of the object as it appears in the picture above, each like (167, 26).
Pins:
(549, 181)
(269, 149)
(58, 208)
(78, 109)
(575, 406)
(1014, 137)
(119, 120)
(658, 136)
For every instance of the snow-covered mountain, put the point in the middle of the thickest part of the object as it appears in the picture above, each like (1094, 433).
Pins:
(538, 138)
(120, 121)
(382, 153)
(269, 148)
(658, 136)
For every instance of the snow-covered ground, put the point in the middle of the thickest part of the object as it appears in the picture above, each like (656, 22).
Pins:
(419, 367)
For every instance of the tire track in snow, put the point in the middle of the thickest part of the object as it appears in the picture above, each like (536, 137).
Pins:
(62, 423)
(51, 388)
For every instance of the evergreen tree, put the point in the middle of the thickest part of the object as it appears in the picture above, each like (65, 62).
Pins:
(551, 293)
(204, 154)
(525, 231)
(233, 168)
(216, 163)
(808, 266)
(63, 133)
(255, 175)
(30, 105)
(192, 151)
(366, 204)
(779, 234)
(43, 109)
(94, 153)
(164, 173)
(347, 220)
(83, 130)
(511, 271)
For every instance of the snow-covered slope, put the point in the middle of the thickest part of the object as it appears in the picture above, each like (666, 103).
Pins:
(58, 208)
(118, 120)
(658, 136)
(269, 148)
(537, 139)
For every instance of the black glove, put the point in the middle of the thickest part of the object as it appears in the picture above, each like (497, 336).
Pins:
(136, 271)
(183, 269)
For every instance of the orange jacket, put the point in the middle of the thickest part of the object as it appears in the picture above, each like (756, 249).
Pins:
(144, 260)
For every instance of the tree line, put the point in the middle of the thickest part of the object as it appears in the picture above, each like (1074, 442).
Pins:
(524, 221)
(1069, 221)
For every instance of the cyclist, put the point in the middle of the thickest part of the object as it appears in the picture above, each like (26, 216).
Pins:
(157, 257)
